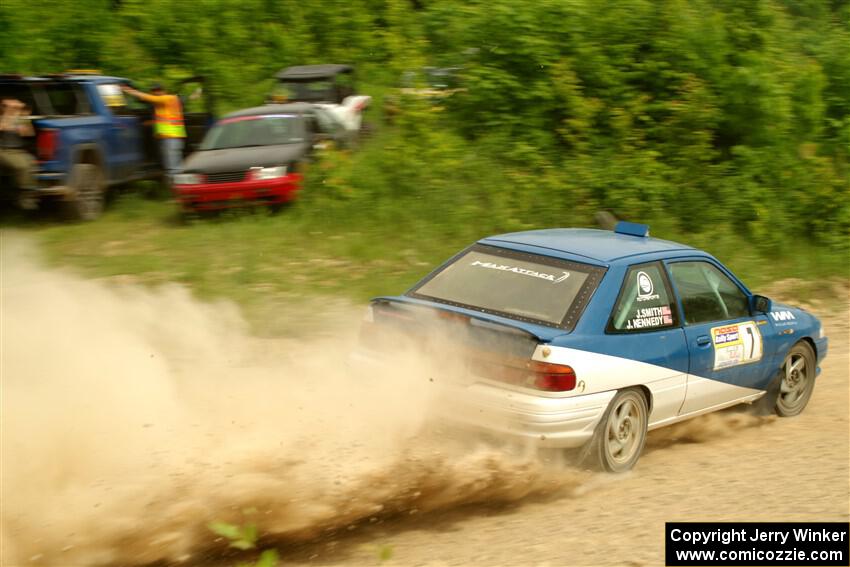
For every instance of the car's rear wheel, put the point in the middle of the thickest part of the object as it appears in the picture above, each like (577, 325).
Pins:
(796, 380)
(621, 434)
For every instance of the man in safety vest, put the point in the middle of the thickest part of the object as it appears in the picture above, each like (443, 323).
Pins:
(169, 127)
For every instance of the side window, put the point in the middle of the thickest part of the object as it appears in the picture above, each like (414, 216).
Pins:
(645, 302)
(707, 293)
(120, 105)
(113, 97)
(66, 100)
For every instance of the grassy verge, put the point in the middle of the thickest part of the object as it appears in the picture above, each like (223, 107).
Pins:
(374, 221)
(268, 262)
(260, 261)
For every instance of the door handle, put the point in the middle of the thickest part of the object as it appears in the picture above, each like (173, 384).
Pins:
(703, 340)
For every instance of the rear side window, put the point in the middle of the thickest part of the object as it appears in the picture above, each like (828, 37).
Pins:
(707, 293)
(23, 92)
(645, 302)
(65, 100)
(513, 284)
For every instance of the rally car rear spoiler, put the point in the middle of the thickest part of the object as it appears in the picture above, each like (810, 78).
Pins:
(540, 333)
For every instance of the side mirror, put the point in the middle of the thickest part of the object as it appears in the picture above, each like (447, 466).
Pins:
(760, 304)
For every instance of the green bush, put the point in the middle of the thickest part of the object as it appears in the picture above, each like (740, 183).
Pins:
(696, 116)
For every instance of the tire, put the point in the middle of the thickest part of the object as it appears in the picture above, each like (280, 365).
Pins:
(621, 434)
(86, 204)
(796, 380)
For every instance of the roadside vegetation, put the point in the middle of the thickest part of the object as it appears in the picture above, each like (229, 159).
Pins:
(725, 125)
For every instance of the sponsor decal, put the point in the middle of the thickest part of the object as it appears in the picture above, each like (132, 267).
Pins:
(647, 317)
(725, 335)
(645, 287)
(782, 315)
(736, 344)
(522, 271)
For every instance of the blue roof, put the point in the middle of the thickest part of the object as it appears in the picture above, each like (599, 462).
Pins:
(600, 245)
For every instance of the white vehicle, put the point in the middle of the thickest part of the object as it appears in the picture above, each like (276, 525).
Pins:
(329, 87)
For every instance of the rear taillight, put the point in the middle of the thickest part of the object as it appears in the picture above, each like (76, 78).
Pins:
(538, 375)
(553, 377)
(46, 144)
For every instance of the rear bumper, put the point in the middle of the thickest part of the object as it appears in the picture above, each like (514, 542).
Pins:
(49, 185)
(46, 183)
(535, 419)
(519, 415)
(205, 196)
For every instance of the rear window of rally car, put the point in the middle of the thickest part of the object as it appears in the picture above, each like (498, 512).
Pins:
(513, 284)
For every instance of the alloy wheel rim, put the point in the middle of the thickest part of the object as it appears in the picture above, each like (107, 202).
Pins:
(795, 382)
(624, 430)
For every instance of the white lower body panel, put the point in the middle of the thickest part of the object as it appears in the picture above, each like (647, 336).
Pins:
(557, 422)
(703, 393)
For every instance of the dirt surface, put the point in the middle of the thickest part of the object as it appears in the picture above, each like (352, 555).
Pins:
(133, 418)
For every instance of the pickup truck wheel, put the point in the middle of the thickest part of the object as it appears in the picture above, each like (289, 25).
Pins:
(86, 181)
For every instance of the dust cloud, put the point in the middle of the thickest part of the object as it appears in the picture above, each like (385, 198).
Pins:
(131, 418)
(709, 427)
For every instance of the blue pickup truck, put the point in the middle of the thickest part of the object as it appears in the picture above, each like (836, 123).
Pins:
(89, 137)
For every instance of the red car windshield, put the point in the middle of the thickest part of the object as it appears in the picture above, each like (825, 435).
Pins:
(250, 131)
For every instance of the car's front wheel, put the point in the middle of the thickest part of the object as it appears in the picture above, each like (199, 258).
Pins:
(796, 380)
(621, 434)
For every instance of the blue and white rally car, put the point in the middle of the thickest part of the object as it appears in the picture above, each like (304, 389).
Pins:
(590, 338)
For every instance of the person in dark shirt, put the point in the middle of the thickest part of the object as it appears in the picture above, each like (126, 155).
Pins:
(14, 126)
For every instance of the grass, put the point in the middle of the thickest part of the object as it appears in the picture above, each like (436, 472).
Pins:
(254, 258)
(272, 263)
